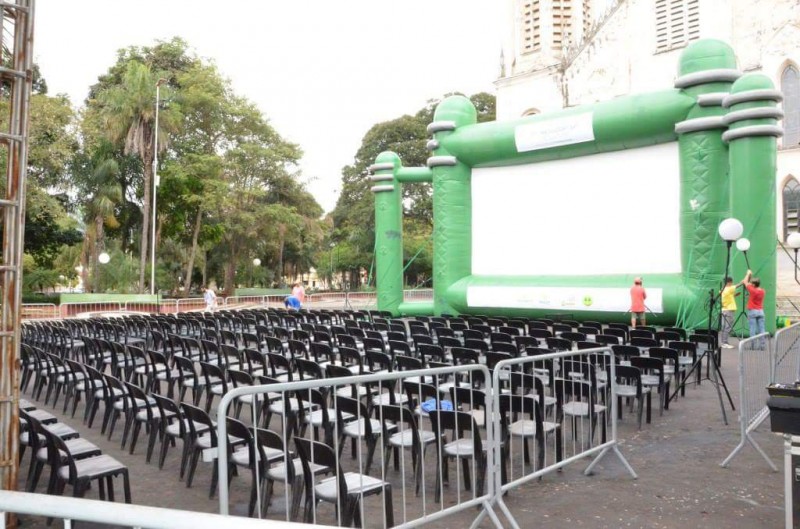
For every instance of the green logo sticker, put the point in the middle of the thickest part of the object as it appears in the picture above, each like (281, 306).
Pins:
(587, 301)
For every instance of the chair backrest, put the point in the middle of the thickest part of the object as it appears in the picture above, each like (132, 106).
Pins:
(314, 452)
(666, 354)
(640, 333)
(199, 416)
(430, 352)
(559, 344)
(476, 343)
(642, 341)
(378, 361)
(464, 356)
(308, 369)
(458, 422)
(521, 405)
(239, 378)
(625, 352)
(629, 376)
(278, 361)
(684, 347)
(504, 347)
(649, 366)
(606, 339)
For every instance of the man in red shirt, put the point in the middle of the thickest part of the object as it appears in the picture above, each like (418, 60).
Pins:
(755, 304)
(638, 295)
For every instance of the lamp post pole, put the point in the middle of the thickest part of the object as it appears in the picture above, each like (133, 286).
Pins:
(333, 245)
(155, 193)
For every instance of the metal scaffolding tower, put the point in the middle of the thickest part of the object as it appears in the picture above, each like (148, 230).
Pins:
(16, 72)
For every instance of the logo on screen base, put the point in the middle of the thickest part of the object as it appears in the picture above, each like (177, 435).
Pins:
(587, 301)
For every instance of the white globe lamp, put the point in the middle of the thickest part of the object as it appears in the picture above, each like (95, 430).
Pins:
(730, 229)
(104, 258)
(743, 244)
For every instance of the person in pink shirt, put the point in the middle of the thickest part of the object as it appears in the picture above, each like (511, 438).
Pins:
(638, 295)
(299, 292)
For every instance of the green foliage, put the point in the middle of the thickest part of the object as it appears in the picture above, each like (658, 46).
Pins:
(354, 218)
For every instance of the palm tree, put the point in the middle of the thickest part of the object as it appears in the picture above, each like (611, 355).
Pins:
(107, 193)
(127, 111)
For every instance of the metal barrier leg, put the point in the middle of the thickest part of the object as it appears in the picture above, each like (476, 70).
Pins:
(621, 457)
(760, 451)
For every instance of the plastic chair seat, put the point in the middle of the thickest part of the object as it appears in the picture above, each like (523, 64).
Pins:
(328, 489)
(581, 408)
(241, 456)
(93, 467)
(357, 428)
(527, 428)
(460, 448)
(278, 472)
(405, 438)
(78, 448)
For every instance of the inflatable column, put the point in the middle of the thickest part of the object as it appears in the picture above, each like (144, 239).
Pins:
(752, 117)
(388, 232)
(452, 202)
(707, 70)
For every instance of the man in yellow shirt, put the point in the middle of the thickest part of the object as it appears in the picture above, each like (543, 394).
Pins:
(728, 295)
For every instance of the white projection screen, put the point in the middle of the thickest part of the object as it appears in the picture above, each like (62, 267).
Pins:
(610, 213)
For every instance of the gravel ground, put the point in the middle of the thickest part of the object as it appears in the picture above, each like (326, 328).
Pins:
(677, 458)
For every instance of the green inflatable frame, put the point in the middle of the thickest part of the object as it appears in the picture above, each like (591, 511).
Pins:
(726, 127)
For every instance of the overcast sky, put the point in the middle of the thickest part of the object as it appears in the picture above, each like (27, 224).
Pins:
(323, 71)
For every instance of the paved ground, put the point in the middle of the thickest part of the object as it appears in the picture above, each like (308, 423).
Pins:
(677, 458)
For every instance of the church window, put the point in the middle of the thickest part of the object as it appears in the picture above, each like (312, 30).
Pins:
(531, 27)
(677, 23)
(790, 86)
(562, 13)
(791, 206)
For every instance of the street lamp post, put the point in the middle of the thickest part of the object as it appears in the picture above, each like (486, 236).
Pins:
(333, 245)
(256, 264)
(155, 188)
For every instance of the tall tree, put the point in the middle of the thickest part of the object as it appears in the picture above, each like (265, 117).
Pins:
(353, 217)
(127, 111)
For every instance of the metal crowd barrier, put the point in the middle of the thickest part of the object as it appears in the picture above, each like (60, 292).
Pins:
(419, 294)
(169, 306)
(122, 514)
(756, 372)
(408, 493)
(191, 304)
(550, 411)
(787, 355)
(39, 311)
(89, 308)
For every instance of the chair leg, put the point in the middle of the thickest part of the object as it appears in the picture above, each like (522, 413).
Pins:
(192, 466)
(137, 426)
(151, 442)
(126, 486)
(465, 472)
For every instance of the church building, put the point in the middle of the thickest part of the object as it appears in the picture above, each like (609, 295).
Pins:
(563, 53)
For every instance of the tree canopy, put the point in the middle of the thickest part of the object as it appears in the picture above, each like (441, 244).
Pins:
(229, 186)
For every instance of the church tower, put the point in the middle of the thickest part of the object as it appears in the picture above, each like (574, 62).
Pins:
(538, 31)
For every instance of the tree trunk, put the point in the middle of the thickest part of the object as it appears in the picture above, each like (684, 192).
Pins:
(230, 271)
(281, 233)
(187, 284)
(98, 228)
(147, 161)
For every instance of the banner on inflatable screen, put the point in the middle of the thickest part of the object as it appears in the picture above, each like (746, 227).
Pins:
(554, 132)
(560, 298)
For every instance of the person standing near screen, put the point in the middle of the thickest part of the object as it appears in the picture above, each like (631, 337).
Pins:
(728, 296)
(755, 304)
(638, 295)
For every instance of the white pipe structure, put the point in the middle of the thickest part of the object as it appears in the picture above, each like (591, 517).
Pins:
(127, 515)
(155, 194)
